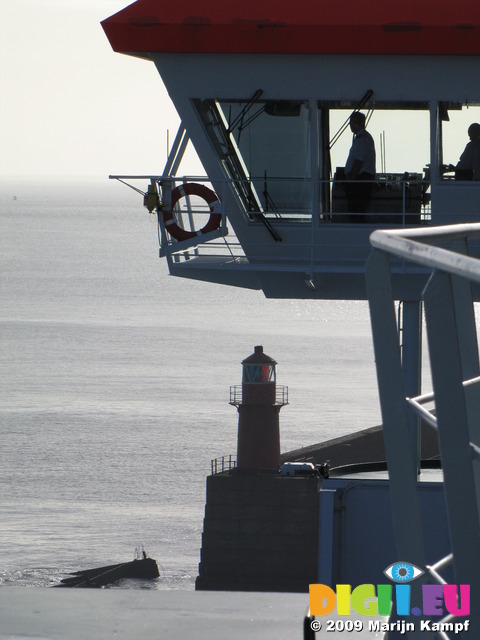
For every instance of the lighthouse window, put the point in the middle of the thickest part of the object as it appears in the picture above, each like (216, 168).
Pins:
(264, 147)
(258, 373)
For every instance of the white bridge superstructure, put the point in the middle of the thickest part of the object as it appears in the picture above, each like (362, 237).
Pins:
(265, 126)
(266, 147)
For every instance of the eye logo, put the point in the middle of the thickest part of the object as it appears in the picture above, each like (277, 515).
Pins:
(403, 572)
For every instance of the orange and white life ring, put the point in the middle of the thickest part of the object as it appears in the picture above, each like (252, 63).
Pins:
(193, 189)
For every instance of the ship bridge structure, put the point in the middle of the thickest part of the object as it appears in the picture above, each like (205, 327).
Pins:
(265, 90)
(262, 90)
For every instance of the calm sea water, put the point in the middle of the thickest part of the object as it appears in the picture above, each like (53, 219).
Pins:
(114, 383)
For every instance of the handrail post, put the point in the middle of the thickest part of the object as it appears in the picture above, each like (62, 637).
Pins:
(452, 408)
(454, 361)
(402, 468)
(411, 366)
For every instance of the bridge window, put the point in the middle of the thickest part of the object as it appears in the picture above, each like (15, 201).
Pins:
(264, 147)
(455, 120)
(401, 133)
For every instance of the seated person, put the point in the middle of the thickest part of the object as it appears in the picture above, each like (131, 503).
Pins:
(468, 167)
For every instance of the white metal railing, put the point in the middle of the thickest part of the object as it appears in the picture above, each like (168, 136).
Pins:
(416, 245)
(448, 301)
(190, 214)
(293, 195)
(416, 404)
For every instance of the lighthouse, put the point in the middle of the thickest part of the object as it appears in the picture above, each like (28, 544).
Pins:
(258, 401)
(260, 531)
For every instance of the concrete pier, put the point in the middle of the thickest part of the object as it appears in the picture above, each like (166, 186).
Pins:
(361, 447)
(136, 614)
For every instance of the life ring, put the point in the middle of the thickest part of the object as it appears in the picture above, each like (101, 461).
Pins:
(193, 189)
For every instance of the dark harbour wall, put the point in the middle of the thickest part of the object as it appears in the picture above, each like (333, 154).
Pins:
(260, 533)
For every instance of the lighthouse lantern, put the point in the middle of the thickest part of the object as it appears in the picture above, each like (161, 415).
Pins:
(258, 373)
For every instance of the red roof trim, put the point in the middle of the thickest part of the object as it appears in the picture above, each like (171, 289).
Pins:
(432, 27)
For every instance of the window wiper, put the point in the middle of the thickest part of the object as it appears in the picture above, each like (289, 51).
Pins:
(362, 103)
(240, 121)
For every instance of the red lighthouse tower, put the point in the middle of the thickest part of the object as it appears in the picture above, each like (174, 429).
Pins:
(258, 401)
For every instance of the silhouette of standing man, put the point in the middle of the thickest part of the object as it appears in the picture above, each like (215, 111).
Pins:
(360, 168)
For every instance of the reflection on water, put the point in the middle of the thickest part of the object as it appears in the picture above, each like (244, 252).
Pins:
(114, 385)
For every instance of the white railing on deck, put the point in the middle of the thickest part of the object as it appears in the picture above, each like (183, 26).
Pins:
(448, 301)
(295, 205)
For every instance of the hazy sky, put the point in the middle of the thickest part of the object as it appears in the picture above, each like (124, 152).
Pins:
(69, 105)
